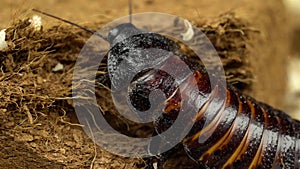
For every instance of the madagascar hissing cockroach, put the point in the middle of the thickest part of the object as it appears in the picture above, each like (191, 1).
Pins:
(243, 133)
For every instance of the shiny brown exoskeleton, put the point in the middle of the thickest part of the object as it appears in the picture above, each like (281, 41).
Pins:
(243, 133)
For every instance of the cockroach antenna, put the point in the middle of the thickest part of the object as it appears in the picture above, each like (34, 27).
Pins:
(130, 11)
(71, 23)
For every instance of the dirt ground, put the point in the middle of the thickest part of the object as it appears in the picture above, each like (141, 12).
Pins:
(36, 111)
(81, 11)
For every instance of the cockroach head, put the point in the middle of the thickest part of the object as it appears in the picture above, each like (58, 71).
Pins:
(134, 50)
(121, 32)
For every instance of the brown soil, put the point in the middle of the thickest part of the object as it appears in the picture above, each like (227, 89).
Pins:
(39, 128)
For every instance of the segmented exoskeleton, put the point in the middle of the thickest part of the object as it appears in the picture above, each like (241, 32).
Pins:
(243, 133)
(238, 132)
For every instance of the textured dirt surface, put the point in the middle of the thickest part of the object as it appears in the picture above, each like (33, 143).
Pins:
(38, 125)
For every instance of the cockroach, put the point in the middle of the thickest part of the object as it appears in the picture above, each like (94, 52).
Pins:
(244, 133)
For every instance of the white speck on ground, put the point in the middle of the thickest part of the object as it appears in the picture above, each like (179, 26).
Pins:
(155, 165)
(3, 43)
(58, 67)
(36, 22)
(189, 34)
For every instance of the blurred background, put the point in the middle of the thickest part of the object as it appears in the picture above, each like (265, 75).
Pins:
(293, 89)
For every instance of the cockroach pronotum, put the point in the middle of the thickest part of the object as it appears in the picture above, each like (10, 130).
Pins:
(244, 133)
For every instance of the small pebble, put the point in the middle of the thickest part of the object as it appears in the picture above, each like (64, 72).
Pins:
(189, 34)
(3, 43)
(58, 67)
(36, 22)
